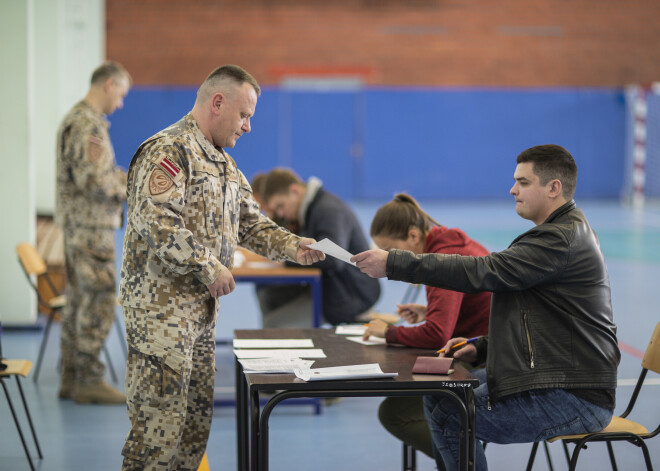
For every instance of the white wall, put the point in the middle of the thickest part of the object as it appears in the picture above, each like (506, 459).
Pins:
(48, 49)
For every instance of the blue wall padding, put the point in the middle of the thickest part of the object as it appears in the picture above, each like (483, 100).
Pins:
(431, 143)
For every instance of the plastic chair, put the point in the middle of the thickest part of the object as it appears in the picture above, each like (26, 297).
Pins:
(620, 428)
(33, 264)
(18, 368)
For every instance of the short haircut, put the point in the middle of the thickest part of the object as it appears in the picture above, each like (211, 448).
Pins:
(397, 217)
(109, 69)
(278, 182)
(552, 162)
(257, 184)
(234, 73)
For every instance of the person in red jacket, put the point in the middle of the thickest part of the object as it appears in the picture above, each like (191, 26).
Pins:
(402, 224)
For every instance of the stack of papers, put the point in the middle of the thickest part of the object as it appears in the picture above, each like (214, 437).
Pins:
(273, 343)
(370, 341)
(275, 365)
(371, 370)
(280, 353)
(286, 356)
(350, 329)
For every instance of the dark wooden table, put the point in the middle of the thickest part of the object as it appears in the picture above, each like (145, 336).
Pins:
(252, 424)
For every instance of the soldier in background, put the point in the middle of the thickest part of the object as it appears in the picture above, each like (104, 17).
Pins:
(91, 190)
(188, 208)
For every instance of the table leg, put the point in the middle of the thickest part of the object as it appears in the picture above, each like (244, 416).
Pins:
(471, 419)
(254, 430)
(317, 299)
(242, 434)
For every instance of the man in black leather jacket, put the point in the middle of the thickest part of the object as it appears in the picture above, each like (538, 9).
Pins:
(551, 354)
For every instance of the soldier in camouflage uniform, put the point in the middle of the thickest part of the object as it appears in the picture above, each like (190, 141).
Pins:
(91, 191)
(188, 208)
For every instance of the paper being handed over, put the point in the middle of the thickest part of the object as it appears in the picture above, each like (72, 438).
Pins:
(328, 247)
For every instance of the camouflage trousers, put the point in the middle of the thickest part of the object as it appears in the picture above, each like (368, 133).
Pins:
(91, 302)
(170, 374)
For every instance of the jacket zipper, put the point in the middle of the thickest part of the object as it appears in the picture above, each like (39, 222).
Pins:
(529, 342)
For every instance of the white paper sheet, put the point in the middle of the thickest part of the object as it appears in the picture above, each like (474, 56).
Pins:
(280, 353)
(371, 370)
(370, 341)
(274, 365)
(350, 329)
(328, 247)
(273, 343)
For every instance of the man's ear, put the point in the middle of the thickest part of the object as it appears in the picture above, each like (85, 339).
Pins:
(296, 189)
(555, 188)
(217, 100)
(108, 83)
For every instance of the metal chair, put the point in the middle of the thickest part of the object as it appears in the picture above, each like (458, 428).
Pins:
(620, 427)
(18, 368)
(34, 265)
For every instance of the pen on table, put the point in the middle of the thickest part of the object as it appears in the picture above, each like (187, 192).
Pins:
(460, 344)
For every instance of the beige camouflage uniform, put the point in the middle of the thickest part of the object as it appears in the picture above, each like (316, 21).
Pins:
(91, 190)
(188, 208)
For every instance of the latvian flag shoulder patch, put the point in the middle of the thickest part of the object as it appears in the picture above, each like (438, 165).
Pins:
(170, 168)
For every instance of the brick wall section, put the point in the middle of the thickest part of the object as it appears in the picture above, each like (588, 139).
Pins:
(491, 43)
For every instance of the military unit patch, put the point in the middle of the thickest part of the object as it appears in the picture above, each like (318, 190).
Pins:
(159, 182)
(94, 148)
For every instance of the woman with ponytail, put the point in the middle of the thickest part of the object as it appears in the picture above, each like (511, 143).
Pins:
(402, 224)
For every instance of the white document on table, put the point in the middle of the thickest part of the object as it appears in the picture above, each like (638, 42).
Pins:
(273, 343)
(370, 341)
(371, 370)
(350, 329)
(328, 247)
(280, 353)
(274, 365)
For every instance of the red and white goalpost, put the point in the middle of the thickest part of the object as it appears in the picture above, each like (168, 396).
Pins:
(642, 143)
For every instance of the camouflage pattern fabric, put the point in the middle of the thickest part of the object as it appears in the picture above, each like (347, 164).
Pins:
(188, 208)
(170, 419)
(91, 302)
(91, 190)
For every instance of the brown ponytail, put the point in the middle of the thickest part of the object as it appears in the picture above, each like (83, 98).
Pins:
(397, 217)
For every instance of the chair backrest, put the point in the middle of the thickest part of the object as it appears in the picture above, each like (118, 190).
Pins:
(32, 262)
(651, 358)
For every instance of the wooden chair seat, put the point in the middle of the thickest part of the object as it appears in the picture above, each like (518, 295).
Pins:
(617, 425)
(57, 302)
(16, 367)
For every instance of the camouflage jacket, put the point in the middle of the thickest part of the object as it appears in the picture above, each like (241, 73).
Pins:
(91, 188)
(188, 208)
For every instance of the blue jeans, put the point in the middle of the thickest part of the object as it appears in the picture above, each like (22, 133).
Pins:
(530, 416)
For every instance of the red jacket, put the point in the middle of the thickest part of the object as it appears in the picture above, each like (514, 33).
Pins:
(449, 314)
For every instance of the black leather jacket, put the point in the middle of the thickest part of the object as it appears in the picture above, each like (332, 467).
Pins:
(551, 314)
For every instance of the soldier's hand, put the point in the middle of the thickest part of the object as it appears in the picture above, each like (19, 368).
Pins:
(307, 256)
(223, 284)
(372, 262)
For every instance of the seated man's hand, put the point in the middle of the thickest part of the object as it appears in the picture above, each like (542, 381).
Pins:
(466, 353)
(372, 262)
(307, 256)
